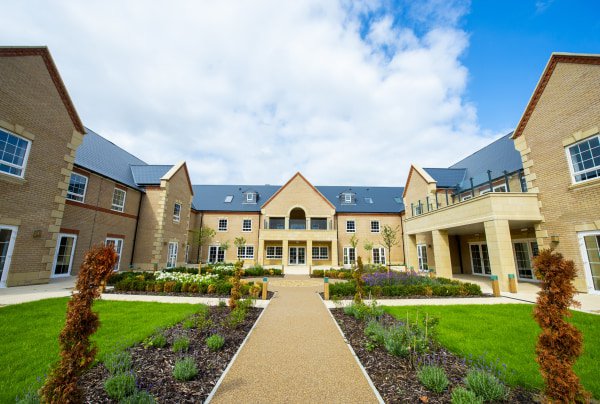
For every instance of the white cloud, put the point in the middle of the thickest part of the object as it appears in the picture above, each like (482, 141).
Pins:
(252, 92)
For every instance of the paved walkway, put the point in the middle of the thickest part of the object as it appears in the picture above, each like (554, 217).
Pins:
(295, 355)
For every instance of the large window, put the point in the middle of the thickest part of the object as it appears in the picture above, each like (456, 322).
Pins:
(350, 226)
(585, 159)
(13, 154)
(480, 259)
(216, 254)
(276, 223)
(222, 225)
(247, 225)
(379, 255)
(172, 254)
(77, 186)
(525, 251)
(246, 251)
(177, 212)
(349, 255)
(63, 258)
(320, 253)
(274, 252)
(118, 200)
(117, 243)
(422, 256)
(374, 226)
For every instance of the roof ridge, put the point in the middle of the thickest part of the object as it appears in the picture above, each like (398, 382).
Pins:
(480, 149)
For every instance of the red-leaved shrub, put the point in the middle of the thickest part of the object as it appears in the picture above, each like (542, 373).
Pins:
(76, 351)
(559, 343)
(357, 274)
(235, 285)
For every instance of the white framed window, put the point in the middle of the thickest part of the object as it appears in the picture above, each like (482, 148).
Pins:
(222, 225)
(117, 243)
(350, 226)
(466, 197)
(496, 188)
(418, 209)
(379, 255)
(172, 254)
(422, 257)
(216, 254)
(589, 243)
(77, 187)
(247, 225)
(480, 259)
(8, 234)
(14, 151)
(349, 255)
(228, 198)
(118, 200)
(177, 212)
(374, 226)
(246, 251)
(250, 197)
(274, 252)
(320, 253)
(525, 250)
(63, 257)
(584, 159)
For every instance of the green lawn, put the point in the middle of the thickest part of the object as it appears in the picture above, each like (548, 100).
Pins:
(30, 331)
(508, 332)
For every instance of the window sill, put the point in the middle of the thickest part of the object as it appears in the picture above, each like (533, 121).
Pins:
(585, 184)
(13, 179)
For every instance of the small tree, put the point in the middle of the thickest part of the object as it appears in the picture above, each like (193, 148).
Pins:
(239, 242)
(76, 351)
(354, 244)
(560, 343)
(201, 238)
(390, 239)
(360, 282)
(225, 246)
(235, 285)
(368, 246)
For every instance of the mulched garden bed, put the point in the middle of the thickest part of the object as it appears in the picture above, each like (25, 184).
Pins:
(396, 379)
(110, 290)
(153, 367)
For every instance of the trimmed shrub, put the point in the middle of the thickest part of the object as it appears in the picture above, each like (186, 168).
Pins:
(185, 369)
(215, 342)
(189, 324)
(375, 332)
(139, 397)
(396, 341)
(120, 386)
(118, 362)
(169, 286)
(433, 377)
(157, 340)
(181, 344)
(485, 385)
(460, 395)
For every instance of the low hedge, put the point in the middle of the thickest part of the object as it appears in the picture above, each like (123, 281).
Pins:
(331, 273)
(443, 288)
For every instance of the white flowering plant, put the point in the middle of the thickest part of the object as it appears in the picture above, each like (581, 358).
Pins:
(183, 277)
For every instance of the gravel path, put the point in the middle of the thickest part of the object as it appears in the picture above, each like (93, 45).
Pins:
(295, 354)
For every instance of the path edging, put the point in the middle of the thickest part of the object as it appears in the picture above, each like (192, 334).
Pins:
(218, 384)
(362, 368)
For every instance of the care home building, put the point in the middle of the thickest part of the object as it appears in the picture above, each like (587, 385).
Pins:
(64, 188)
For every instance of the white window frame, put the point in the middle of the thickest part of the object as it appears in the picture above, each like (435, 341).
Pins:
(322, 253)
(466, 197)
(244, 228)
(348, 229)
(422, 263)
(9, 253)
(118, 208)
(378, 226)
(347, 197)
(71, 194)
(176, 214)
(570, 161)
(247, 252)
(172, 251)
(495, 188)
(586, 260)
(277, 252)
(381, 259)
(348, 251)
(187, 253)
(25, 158)
(218, 251)
(118, 244)
(250, 197)
(222, 229)
(55, 261)
(480, 250)
(528, 242)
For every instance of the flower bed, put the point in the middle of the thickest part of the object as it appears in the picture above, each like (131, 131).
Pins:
(180, 364)
(347, 273)
(405, 284)
(406, 364)
(226, 270)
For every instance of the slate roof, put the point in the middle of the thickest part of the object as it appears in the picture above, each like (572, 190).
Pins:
(498, 156)
(149, 174)
(103, 157)
(212, 198)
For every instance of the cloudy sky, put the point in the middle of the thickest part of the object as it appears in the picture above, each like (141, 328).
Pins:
(253, 91)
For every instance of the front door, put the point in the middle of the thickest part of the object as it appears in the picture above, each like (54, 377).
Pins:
(297, 256)
(63, 258)
(422, 253)
(7, 244)
(525, 250)
(349, 256)
(480, 259)
(590, 251)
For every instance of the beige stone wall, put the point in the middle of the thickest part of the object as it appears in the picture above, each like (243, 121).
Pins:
(195, 224)
(94, 220)
(363, 233)
(298, 193)
(567, 111)
(31, 107)
(417, 189)
(151, 215)
(234, 229)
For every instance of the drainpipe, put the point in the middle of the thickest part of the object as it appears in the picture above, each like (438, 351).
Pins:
(490, 180)
(137, 222)
(506, 181)
(472, 188)
(412, 209)
(460, 260)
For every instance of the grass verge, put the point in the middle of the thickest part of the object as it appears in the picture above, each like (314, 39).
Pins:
(29, 337)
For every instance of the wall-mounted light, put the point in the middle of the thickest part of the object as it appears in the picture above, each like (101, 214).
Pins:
(554, 238)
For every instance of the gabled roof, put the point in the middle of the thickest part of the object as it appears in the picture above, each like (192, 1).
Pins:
(298, 175)
(44, 53)
(447, 177)
(212, 197)
(103, 157)
(555, 58)
(149, 174)
(175, 169)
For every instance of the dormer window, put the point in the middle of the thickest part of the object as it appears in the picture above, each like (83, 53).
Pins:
(347, 198)
(228, 198)
(250, 197)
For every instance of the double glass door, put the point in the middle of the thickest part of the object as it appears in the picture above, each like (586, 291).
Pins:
(480, 259)
(525, 250)
(590, 248)
(297, 256)
(63, 258)
(422, 255)
(7, 243)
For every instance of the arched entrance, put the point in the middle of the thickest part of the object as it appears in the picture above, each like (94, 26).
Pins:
(297, 219)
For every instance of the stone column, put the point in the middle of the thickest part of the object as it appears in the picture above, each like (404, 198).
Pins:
(260, 258)
(286, 251)
(441, 253)
(309, 252)
(334, 254)
(499, 245)
(412, 259)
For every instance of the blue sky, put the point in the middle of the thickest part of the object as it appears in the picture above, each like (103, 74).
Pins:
(346, 92)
